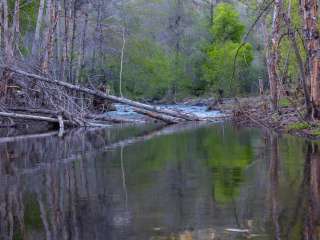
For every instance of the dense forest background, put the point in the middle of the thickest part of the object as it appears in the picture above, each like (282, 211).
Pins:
(168, 49)
(151, 49)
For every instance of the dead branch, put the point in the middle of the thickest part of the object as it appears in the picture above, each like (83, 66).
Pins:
(184, 116)
(33, 118)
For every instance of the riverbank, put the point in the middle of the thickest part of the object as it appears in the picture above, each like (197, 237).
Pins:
(256, 112)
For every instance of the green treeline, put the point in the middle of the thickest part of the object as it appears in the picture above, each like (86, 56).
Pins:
(186, 54)
(160, 49)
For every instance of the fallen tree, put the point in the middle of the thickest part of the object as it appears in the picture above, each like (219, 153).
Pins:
(35, 118)
(158, 116)
(59, 120)
(138, 105)
(88, 116)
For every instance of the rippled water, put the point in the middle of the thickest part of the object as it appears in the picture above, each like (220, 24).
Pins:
(183, 182)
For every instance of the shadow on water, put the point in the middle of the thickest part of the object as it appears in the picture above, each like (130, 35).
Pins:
(184, 182)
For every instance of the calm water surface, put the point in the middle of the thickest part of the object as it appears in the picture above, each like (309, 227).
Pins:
(185, 182)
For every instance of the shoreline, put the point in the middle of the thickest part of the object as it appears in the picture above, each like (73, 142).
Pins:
(255, 112)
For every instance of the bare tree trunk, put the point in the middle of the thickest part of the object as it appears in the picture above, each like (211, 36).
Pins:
(65, 42)
(36, 41)
(72, 43)
(59, 41)
(121, 60)
(8, 49)
(82, 49)
(261, 87)
(266, 38)
(294, 44)
(97, 34)
(47, 37)
(273, 59)
(311, 36)
(16, 24)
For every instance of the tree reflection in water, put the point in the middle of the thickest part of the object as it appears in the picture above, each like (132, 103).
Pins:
(207, 182)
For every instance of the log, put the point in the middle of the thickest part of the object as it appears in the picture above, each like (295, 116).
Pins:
(32, 117)
(161, 117)
(50, 120)
(107, 118)
(185, 116)
(94, 117)
(27, 137)
(33, 110)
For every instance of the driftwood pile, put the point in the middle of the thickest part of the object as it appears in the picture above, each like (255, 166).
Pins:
(30, 97)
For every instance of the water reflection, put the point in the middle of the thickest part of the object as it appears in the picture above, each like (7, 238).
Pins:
(186, 182)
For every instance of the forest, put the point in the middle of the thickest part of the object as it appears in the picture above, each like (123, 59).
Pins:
(159, 119)
(74, 58)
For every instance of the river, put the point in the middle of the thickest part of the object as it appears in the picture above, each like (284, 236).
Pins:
(194, 181)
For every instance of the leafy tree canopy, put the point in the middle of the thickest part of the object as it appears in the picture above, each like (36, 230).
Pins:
(226, 24)
(217, 70)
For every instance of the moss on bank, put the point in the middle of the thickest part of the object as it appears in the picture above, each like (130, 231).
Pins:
(297, 126)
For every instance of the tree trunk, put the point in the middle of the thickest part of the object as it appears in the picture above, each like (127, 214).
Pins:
(35, 45)
(121, 60)
(82, 49)
(8, 49)
(72, 43)
(47, 37)
(273, 59)
(64, 60)
(311, 36)
(16, 24)
(303, 77)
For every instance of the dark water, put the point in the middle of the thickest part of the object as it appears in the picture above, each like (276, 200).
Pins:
(186, 182)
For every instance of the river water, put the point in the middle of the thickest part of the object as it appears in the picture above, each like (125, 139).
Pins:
(156, 183)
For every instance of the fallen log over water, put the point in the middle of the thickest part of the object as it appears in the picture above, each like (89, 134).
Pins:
(87, 117)
(59, 120)
(34, 118)
(161, 117)
(138, 105)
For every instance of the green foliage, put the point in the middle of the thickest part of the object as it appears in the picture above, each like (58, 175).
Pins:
(298, 126)
(28, 15)
(32, 214)
(316, 132)
(155, 68)
(284, 102)
(226, 24)
(147, 72)
(229, 154)
(218, 68)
